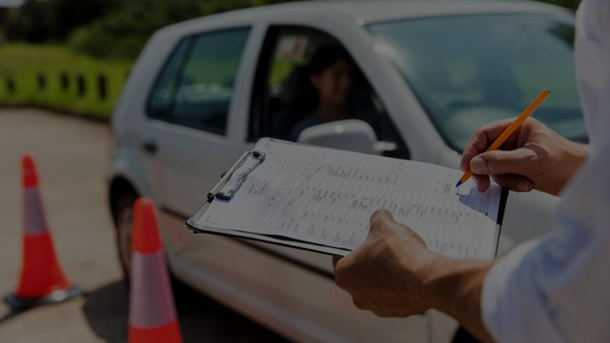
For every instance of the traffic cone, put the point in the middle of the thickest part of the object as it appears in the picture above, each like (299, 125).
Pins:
(152, 315)
(42, 280)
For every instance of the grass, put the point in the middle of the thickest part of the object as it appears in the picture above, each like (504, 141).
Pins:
(24, 64)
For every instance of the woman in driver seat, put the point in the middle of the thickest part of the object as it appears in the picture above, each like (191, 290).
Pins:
(331, 74)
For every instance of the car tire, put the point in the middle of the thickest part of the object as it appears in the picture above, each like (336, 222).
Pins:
(123, 217)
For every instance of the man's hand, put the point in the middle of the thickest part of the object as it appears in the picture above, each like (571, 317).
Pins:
(393, 274)
(534, 157)
(383, 274)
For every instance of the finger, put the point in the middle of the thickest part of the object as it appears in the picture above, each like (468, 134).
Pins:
(382, 214)
(500, 162)
(336, 260)
(361, 303)
(482, 182)
(514, 182)
(385, 313)
(481, 139)
(340, 273)
(379, 219)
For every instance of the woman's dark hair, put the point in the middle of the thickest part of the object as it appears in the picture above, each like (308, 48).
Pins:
(306, 97)
(326, 56)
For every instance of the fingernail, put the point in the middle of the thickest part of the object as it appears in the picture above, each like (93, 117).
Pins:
(478, 165)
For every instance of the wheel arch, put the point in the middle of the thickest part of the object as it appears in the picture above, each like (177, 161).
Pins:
(119, 185)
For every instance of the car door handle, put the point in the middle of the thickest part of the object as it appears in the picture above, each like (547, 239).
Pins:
(150, 147)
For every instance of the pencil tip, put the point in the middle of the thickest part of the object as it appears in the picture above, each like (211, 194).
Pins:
(458, 184)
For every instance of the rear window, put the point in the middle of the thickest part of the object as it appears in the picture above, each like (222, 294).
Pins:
(196, 85)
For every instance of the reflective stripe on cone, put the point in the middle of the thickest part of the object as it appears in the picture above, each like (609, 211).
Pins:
(34, 220)
(151, 301)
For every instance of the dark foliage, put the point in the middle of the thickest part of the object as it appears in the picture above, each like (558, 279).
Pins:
(119, 29)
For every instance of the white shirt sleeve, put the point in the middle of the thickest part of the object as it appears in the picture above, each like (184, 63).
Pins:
(557, 288)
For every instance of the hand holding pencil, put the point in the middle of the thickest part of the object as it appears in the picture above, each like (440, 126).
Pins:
(532, 157)
(510, 129)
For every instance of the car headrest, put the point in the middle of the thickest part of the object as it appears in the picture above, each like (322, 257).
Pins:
(295, 85)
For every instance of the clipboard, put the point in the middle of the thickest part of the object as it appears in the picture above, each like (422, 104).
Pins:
(231, 182)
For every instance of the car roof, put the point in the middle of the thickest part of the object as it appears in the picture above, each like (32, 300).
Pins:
(368, 11)
(363, 12)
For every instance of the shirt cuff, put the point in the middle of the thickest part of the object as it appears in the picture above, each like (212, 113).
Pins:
(496, 294)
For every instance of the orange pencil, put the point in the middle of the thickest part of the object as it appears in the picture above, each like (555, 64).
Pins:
(510, 129)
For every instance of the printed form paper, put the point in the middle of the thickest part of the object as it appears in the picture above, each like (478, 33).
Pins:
(327, 196)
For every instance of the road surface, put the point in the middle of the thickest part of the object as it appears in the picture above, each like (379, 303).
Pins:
(72, 156)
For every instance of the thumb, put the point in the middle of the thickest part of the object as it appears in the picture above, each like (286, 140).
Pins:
(336, 260)
(500, 162)
(379, 221)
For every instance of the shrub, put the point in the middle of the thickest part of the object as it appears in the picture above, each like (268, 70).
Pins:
(25, 65)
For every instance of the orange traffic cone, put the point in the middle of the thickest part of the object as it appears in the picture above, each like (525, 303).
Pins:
(42, 280)
(152, 315)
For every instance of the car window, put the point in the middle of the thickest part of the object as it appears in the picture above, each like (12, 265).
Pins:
(470, 70)
(286, 100)
(200, 89)
(161, 99)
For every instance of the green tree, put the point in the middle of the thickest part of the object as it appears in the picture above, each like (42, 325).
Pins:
(123, 32)
(52, 20)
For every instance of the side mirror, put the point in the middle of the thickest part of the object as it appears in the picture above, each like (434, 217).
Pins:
(351, 134)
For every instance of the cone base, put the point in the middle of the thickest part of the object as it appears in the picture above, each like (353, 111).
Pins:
(168, 333)
(18, 303)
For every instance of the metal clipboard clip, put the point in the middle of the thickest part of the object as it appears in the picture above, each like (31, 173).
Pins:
(236, 176)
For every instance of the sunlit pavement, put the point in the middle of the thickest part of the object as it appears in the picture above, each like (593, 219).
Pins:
(71, 156)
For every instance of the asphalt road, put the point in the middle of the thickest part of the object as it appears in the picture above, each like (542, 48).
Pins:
(71, 156)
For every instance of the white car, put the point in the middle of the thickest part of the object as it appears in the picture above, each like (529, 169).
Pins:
(430, 72)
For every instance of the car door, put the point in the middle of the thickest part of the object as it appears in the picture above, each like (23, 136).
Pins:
(187, 131)
(277, 101)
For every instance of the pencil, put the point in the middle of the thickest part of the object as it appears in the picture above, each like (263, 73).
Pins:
(510, 129)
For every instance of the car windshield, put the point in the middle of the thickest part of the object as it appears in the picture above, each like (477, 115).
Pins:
(470, 70)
